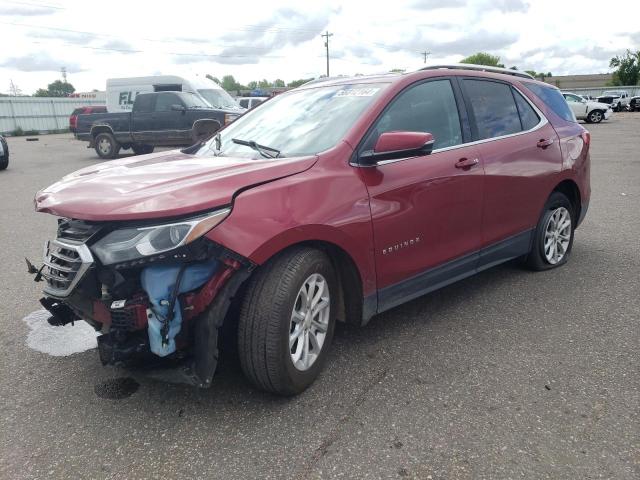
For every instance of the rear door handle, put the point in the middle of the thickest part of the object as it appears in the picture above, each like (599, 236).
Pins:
(466, 163)
(544, 143)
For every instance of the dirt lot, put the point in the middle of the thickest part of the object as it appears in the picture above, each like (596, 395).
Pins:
(507, 374)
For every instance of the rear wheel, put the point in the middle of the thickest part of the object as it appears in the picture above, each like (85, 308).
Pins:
(595, 116)
(286, 321)
(106, 145)
(554, 234)
(142, 149)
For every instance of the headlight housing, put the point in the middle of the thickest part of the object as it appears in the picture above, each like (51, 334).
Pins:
(128, 244)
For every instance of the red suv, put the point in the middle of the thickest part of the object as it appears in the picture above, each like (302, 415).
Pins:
(332, 202)
(73, 118)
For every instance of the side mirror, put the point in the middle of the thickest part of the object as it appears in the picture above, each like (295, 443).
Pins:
(394, 145)
(178, 108)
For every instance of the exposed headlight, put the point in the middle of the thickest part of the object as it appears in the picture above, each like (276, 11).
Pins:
(132, 243)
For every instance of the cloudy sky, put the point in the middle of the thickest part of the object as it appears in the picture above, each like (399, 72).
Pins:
(281, 38)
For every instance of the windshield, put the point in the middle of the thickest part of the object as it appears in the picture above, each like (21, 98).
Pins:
(297, 123)
(218, 98)
(193, 101)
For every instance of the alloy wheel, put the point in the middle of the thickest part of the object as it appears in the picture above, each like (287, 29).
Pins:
(104, 145)
(557, 235)
(309, 322)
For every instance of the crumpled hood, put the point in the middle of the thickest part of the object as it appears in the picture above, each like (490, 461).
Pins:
(165, 184)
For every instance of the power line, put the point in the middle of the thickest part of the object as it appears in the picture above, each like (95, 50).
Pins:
(326, 44)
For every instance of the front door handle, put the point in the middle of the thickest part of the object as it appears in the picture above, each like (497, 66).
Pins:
(544, 143)
(466, 163)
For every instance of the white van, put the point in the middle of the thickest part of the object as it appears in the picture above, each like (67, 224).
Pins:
(121, 92)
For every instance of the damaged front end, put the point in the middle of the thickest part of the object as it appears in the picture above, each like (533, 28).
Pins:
(157, 293)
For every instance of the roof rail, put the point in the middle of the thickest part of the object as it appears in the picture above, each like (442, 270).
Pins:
(481, 68)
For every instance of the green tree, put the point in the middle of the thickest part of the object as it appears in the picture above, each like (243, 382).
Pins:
(264, 83)
(539, 75)
(483, 58)
(297, 83)
(56, 89)
(278, 83)
(252, 85)
(627, 68)
(230, 84)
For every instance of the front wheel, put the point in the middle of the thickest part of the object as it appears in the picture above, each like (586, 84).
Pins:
(286, 321)
(595, 116)
(106, 146)
(4, 158)
(554, 234)
(142, 149)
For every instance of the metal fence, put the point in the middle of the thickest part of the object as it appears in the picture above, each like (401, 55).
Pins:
(42, 114)
(633, 90)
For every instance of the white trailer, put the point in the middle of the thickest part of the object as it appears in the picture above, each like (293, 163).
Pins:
(121, 92)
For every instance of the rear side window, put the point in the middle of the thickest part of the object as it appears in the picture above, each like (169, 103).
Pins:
(427, 107)
(494, 108)
(554, 100)
(528, 116)
(244, 103)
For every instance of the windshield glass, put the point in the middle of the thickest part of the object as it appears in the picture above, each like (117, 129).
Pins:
(297, 123)
(218, 98)
(193, 101)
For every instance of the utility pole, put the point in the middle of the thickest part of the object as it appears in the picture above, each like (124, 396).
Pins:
(424, 54)
(63, 71)
(326, 44)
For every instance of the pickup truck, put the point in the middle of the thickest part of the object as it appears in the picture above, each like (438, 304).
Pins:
(618, 99)
(157, 119)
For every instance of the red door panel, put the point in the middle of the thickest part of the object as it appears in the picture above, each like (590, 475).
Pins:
(519, 175)
(425, 212)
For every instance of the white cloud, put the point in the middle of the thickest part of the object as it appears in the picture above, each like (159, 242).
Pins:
(282, 39)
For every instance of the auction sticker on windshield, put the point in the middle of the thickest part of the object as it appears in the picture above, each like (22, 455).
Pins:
(357, 92)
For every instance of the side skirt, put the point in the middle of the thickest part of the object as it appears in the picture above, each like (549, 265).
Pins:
(450, 272)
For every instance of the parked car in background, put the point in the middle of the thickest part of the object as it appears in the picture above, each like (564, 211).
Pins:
(334, 201)
(618, 99)
(588, 97)
(634, 104)
(4, 153)
(163, 118)
(73, 118)
(250, 102)
(591, 112)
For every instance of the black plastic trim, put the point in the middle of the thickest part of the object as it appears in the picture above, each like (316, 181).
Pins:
(454, 270)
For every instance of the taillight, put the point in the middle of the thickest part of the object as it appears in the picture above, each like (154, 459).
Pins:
(586, 137)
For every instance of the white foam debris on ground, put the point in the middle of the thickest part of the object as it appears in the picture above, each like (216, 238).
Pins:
(59, 341)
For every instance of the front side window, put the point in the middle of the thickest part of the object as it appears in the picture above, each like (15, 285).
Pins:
(165, 100)
(553, 99)
(297, 123)
(193, 101)
(493, 107)
(428, 107)
(218, 98)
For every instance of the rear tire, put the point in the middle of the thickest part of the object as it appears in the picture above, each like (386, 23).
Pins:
(142, 149)
(553, 238)
(106, 146)
(283, 338)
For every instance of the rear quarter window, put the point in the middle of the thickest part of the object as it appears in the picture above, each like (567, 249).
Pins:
(494, 108)
(554, 100)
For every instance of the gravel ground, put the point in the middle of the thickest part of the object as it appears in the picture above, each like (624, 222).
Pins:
(509, 374)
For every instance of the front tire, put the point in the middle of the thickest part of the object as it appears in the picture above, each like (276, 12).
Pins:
(553, 238)
(142, 149)
(4, 159)
(596, 116)
(286, 321)
(106, 146)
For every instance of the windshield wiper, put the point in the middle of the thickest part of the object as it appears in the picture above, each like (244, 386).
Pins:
(266, 152)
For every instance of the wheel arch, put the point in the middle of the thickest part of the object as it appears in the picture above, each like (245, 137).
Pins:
(350, 293)
(570, 189)
(98, 129)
